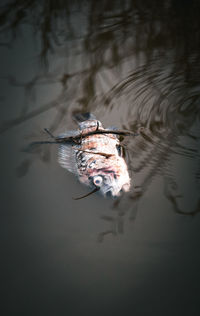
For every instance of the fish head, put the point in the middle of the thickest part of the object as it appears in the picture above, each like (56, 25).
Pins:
(109, 185)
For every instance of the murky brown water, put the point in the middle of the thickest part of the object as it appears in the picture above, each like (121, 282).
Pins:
(132, 64)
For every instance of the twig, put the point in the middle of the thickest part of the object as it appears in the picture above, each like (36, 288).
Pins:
(82, 197)
(74, 139)
(96, 132)
(50, 134)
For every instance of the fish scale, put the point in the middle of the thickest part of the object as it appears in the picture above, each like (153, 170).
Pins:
(96, 161)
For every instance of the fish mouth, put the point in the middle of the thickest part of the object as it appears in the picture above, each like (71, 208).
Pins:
(111, 193)
(116, 191)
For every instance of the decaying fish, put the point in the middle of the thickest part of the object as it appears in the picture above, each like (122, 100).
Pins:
(96, 159)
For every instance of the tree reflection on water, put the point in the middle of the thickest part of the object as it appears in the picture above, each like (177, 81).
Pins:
(140, 58)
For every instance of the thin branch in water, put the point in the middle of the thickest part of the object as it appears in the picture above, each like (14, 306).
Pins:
(96, 132)
(49, 133)
(74, 139)
(93, 191)
(29, 147)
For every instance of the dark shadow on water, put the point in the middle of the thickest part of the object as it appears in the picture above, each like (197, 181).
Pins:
(152, 50)
(163, 36)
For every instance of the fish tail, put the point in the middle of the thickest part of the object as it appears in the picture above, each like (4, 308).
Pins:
(86, 120)
(81, 117)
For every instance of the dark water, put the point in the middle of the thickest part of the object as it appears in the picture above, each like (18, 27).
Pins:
(133, 64)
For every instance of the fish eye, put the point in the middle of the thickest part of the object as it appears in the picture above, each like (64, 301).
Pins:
(98, 180)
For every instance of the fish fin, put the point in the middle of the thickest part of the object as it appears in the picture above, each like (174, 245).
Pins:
(81, 117)
(113, 128)
(67, 158)
(66, 153)
(86, 120)
(68, 134)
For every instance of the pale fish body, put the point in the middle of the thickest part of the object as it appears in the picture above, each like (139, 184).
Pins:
(97, 160)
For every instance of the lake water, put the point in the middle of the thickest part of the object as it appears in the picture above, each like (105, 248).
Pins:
(133, 64)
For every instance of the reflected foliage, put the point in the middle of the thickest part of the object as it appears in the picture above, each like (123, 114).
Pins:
(140, 58)
(162, 36)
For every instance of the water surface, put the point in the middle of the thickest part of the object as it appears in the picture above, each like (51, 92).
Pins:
(133, 64)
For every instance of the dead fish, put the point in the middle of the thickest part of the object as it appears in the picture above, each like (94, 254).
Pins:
(97, 159)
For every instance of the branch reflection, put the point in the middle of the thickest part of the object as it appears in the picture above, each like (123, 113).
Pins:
(139, 59)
